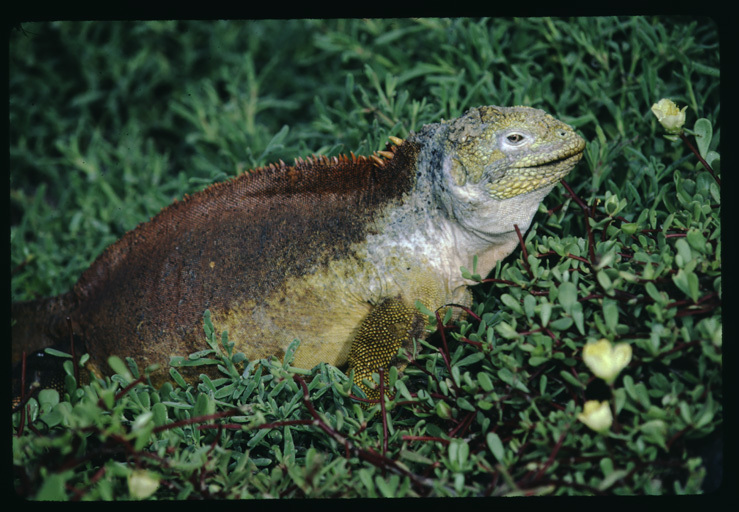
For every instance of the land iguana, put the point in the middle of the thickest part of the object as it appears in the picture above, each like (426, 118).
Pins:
(333, 251)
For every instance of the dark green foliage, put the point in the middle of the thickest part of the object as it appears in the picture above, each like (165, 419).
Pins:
(110, 121)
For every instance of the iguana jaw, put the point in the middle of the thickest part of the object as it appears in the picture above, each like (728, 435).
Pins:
(524, 178)
(556, 164)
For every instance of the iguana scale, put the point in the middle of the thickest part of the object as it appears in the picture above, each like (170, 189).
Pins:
(332, 251)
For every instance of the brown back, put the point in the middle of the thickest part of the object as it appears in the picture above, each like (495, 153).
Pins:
(145, 295)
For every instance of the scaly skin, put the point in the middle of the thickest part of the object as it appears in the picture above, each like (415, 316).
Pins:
(334, 252)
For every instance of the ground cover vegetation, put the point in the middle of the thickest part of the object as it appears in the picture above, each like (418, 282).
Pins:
(110, 121)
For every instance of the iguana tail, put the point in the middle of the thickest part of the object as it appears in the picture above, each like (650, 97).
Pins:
(38, 324)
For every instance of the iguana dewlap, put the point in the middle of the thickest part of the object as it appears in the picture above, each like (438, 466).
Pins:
(332, 251)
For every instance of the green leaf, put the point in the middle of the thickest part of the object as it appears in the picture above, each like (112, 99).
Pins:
(688, 283)
(160, 414)
(684, 254)
(505, 330)
(696, 240)
(655, 431)
(119, 367)
(578, 315)
(545, 313)
(561, 324)
(470, 359)
(204, 405)
(48, 398)
(537, 360)
(512, 379)
(484, 380)
(53, 487)
(629, 228)
(529, 305)
(655, 294)
(177, 378)
(605, 281)
(610, 314)
(571, 379)
(612, 478)
(56, 353)
(495, 445)
(511, 302)
(703, 135)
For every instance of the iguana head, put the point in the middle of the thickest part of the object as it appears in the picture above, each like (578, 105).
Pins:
(514, 150)
(495, 164)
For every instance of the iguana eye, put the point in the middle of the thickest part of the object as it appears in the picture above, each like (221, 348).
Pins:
(515, 138)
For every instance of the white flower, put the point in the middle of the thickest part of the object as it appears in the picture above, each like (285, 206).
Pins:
(606, 360)
(596, 415)
(669, 116)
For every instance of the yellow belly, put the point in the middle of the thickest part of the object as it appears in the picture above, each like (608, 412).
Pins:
(325, 309)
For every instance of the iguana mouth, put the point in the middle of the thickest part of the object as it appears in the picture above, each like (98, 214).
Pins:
(521, 180)
(565, 162)
(569, 154)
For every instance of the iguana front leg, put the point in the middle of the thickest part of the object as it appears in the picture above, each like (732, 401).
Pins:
(390, 325)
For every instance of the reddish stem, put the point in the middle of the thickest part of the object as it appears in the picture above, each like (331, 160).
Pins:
(700, 158)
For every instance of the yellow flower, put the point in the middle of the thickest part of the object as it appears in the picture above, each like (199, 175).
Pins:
(606, 360)
(669, 116)
(142, 483)
(596, 415)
